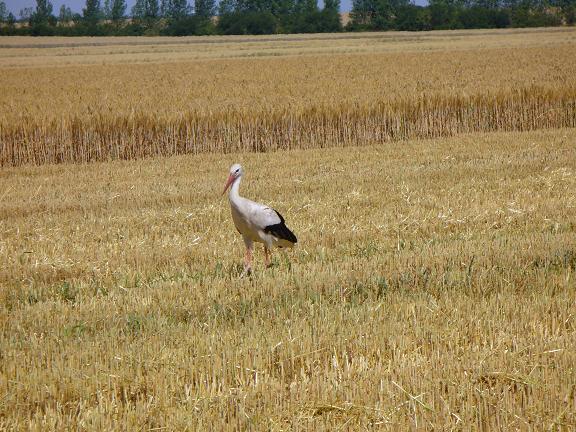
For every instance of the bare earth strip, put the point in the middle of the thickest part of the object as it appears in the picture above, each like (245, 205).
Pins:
(432, 288)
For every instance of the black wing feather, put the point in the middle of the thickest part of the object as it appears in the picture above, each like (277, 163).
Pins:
(281, 231)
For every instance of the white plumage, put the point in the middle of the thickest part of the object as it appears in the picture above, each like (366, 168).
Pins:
(256, 222)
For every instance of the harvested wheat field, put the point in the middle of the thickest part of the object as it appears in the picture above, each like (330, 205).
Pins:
(432, 288)
(430, 179)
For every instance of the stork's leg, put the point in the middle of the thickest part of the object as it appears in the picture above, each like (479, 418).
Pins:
(267, 262)
(248, 257)
(247, 262)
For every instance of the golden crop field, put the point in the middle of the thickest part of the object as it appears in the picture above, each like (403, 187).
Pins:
(430, 179)
(85, 99)
(432, 288)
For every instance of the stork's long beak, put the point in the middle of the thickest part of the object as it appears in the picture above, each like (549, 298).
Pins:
(228, 183)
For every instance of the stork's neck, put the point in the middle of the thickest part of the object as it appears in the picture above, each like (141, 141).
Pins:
(234, 194)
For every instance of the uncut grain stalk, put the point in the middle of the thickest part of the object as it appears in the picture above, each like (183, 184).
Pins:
(105, 137)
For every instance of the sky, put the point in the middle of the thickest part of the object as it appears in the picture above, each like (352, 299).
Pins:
(15, 6)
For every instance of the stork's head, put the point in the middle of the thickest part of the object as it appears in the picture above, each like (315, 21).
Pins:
(236, 172)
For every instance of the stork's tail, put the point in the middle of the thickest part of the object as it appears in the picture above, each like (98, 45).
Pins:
(281, 231)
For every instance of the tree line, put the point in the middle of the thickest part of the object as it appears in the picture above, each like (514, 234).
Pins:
(206, 17)
(460, 14)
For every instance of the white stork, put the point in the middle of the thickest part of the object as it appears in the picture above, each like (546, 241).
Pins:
(256, 222)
